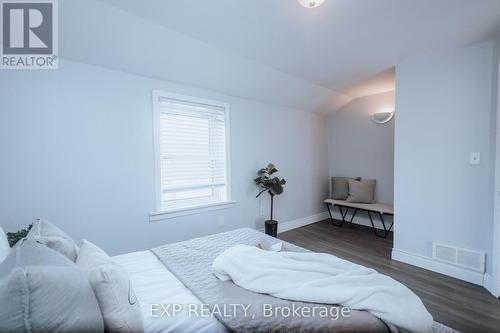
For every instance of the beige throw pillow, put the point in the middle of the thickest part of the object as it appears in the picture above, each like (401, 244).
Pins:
(112, 287)
(361, 191)
(51, 236)
(340, 187)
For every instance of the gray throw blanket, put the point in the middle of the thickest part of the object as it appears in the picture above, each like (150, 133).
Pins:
(191, 262)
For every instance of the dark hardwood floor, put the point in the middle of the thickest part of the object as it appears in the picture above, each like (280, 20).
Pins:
(457, 304)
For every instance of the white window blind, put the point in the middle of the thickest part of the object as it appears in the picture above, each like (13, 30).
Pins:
(191, 136)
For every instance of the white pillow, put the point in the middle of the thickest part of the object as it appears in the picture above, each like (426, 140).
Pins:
(112, 287)
(4, 245)
(48, 234)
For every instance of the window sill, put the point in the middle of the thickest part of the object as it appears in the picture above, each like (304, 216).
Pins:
(165, 215)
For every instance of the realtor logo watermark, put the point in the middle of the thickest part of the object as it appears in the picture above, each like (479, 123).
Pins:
(29, 34)
(235, 310)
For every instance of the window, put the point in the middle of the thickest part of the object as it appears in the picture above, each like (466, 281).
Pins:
(191, 147)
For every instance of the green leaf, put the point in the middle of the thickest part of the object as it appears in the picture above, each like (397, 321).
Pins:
(274, 185)
(276, 188)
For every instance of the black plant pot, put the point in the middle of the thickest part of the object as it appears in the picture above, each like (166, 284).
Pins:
(271, 228)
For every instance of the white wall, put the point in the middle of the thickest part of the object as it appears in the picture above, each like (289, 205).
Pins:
(358, 147)
(76, 146)
(444, 112)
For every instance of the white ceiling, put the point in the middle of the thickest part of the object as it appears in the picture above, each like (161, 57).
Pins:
(273, 51)
(97, 33)
(339, 43)
(379, 83)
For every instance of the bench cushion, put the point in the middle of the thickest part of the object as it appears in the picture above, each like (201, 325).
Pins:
(373, 207)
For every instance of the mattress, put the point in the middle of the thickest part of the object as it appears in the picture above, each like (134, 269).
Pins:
(154, 284)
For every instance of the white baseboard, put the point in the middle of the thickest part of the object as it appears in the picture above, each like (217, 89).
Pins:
(490, 284)
(439, 267)
(289, 225)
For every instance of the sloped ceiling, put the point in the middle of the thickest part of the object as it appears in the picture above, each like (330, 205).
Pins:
(272, 51)
(375, 84)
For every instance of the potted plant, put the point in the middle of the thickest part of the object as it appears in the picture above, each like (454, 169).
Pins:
(14, 237)
(273, 186)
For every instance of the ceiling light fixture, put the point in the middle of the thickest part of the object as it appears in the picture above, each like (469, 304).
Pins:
(311, 3)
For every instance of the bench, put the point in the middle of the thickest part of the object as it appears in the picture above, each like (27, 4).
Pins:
(375, 208)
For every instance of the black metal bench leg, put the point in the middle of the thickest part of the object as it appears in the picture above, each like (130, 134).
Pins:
(386, 231)
(331, 216)
(353, 214)
(329, 212)
(373, 225)
(342, 213)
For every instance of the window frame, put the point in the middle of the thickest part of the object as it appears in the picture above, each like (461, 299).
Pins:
(160, 212)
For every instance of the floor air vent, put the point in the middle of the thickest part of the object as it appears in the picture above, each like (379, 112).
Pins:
(469, 259)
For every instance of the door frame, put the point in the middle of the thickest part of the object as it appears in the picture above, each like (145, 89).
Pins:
(494, 285)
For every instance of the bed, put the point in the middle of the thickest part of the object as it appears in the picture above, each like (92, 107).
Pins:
(204, 274)
(153, 283)
(180, 273)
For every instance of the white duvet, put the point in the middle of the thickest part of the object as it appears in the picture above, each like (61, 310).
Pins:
(323, 278)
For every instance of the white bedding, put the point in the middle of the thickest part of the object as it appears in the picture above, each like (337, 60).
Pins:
(325, 279)
(153, 283)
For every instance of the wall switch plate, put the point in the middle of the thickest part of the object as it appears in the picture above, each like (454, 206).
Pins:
(475, 158)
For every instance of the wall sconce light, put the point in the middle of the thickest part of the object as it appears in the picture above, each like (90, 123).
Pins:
(311, 3)
(383, 116)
